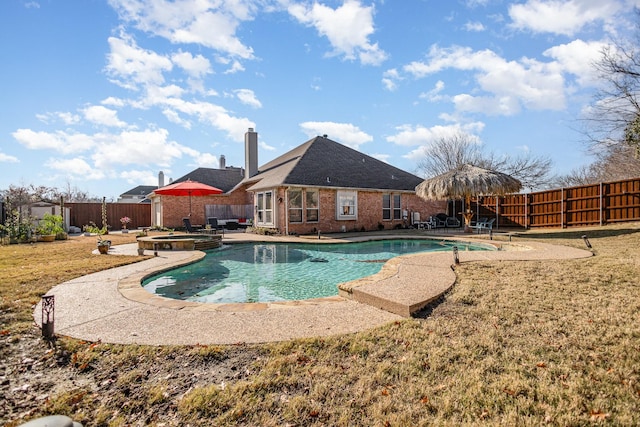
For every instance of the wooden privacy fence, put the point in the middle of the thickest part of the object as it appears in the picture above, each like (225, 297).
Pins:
(82, 214)
(597, 204)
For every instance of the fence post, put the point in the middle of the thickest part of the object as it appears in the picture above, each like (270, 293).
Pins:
(562, 207)
(601, 207)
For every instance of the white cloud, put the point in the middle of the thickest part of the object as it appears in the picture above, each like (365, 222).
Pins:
(136, 147)
(434, 94)
(5, 158)
(208, 23)
(344, 133)
(424, 137)
(347, 28)
(382, 157)
(174, 117)
(131, 66)
(390, 79)
(206, 160)
(507, 85)
(100, 115)
(474, 27)
(409, 135)
(560, 16)
(112, 101)
(64, 117)
(196, 66)
(236, 67)
(140, 177)
(248, 97)
(577, 58)
(77, 167)
(266, 146)
(59, 141)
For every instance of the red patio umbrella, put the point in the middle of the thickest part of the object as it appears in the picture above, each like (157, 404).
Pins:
(188, 188)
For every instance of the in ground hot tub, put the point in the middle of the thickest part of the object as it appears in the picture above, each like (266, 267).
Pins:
(180, 242)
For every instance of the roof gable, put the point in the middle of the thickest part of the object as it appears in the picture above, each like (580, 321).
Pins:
(322, 162)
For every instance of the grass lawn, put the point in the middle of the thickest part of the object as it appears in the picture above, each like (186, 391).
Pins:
(513, 343)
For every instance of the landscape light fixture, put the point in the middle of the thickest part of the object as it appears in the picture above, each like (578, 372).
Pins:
(586, 241)
(48, 314)
(456, 258)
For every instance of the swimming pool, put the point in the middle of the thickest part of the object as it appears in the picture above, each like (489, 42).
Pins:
(264, 272)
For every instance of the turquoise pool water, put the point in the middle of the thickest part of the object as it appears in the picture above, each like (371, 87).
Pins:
(260, 272)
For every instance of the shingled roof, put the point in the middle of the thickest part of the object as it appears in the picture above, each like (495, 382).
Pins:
(321, 162)
(224, 179)
(141, 191)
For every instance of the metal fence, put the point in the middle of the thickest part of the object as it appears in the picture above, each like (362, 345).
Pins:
(597, 204)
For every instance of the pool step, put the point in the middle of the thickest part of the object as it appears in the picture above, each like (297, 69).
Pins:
(402, 287)
(203, 245)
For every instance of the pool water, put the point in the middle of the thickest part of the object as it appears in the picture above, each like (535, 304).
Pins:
(263, 272)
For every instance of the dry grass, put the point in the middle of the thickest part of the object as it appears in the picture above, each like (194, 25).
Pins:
(514, 343)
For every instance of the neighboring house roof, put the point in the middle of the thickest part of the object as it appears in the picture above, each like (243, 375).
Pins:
(321, 162)
(139, 191)
(224, 179)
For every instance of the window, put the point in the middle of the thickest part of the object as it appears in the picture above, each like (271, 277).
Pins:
(397, 211)
(312, 205)
(264, 208)
(386, 206)
(347, 205)
(295, 205)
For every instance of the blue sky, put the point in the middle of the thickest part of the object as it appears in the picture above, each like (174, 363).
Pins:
(102, 95)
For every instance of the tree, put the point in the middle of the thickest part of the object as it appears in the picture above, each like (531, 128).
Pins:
(614, 116)
(450, 152)
(615, 163)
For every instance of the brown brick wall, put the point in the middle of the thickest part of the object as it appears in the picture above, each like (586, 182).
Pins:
(369, 213)
(174, 208)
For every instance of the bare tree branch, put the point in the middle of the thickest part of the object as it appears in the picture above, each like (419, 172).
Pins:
(449, 153)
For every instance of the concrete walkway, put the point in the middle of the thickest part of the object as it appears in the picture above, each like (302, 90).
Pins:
(112, 307)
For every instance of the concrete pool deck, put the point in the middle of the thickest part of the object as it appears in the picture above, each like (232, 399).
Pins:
(111, 306)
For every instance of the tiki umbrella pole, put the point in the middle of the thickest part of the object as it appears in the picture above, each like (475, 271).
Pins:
(468, 214)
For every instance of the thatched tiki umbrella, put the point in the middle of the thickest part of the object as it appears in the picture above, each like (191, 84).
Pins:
(465, 181)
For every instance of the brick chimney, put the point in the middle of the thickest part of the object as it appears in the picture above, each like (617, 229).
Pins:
(250, 153)
(160, 179)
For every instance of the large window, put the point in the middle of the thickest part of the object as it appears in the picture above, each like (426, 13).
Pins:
(397, 211)
(347, 205)
(391, 206)
(386, 206)
(295, 205)
(264, 208)
(312, 204)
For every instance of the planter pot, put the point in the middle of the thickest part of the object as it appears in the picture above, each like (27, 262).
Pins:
(86, 233)
(140, 251)
(124, 230)
(46, 238)
(103, 249)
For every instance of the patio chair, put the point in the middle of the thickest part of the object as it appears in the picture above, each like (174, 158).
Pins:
(480, 220)
(440, 220)
(452, 222)
(188, 226)
(212, 222)
(487, 225)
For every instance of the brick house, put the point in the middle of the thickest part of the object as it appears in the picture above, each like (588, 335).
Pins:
(324, 186)
(319, 186)
(168, 211)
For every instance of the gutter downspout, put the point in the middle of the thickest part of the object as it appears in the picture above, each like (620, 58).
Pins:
(286, 211)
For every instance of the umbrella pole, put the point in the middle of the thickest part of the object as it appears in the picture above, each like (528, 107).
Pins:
(468, 215)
